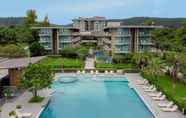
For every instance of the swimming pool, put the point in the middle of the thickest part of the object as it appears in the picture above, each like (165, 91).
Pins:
(89, 98)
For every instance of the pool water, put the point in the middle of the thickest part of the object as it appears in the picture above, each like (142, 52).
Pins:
(88, 98)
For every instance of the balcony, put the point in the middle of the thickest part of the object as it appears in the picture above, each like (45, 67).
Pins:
(145, 35)
(107, 41)
(122, 35)
(122, 43)
(146, 43)
(65, 41)
(107, 48)
(45, 34)
(121, 51)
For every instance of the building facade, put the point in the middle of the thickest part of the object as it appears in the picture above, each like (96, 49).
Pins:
(110, 35)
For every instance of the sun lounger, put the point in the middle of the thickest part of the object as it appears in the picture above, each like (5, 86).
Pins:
(159, 98)
(173, 109)
(83, 72)
(106, 72)
(148, 87)
(143, 82)
(91, 72)
(23, 115)
(111, 72)
(150, 90)
(166, 105)
(155, 94)
(78, 72)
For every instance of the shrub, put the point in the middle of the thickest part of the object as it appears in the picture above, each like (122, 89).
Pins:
(69, 53)
(36, 99)
(12, 113)
(12, 51)
(126, 58)
(18, 106)
(37, 50)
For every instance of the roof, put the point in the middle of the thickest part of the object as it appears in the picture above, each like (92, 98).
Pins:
(133, 26)
(19, 62)
(56, 27)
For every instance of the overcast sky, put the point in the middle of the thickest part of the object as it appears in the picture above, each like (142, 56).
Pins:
(63, 11)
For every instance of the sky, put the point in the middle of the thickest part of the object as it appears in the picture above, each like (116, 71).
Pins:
(63, 11)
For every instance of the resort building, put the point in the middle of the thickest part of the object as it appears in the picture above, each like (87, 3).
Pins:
(110, 35)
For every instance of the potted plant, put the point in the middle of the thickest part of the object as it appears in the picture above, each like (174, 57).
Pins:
(12, 114)
(18, 107)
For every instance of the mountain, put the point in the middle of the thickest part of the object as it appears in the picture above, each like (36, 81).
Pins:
(11, 21)
(167, 22)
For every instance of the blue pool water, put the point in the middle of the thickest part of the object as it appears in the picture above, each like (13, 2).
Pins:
(88, 98)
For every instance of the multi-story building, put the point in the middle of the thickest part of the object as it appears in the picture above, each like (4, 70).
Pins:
(113, 37)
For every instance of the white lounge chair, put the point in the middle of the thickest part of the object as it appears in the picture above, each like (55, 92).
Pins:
(97, 72)
(155, 94)
(111, 72)
(151, 90)
(106, 72)
(166, 105)
(148, 87)
(91, 72)
(173, 109)
(83, 72)
(143, 82)
(23, 115)
(78, 72)
(161, 98)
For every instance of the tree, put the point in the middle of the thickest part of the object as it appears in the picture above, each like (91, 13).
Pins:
(148, 22)
(36, 77)
(12, 51)
(154, 68)
(45, 22)
(141, 59)
(175, 59)
(31, 17)
(36, 49)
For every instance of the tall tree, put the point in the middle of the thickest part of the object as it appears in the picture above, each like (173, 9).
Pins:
(45, 22)
(31, 16)
(36, 77)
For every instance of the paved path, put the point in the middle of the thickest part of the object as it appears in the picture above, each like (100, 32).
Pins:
(22, 100)
(89, 63)
(134, 79)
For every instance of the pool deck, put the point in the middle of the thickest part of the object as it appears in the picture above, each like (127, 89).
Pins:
(151, 104)
(34, 108)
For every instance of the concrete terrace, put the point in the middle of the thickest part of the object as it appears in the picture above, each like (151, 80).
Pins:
(34, 108)
(152, 105)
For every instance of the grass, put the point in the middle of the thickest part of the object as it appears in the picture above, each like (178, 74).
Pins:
(114, 66)
(36, 99)
(164, 83)
(59, 62)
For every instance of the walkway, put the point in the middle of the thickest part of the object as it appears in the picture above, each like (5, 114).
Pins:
(89, 63)
(152, 105)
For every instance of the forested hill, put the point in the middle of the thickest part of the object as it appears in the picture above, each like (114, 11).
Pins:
(11, 21)
(167, 22)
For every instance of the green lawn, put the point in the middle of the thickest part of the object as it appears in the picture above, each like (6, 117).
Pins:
(114, 66)
(59, 62)
(164, 83)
